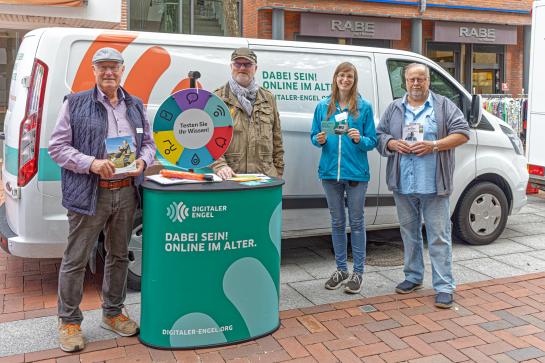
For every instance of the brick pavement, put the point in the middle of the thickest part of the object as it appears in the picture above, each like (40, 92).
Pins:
(501, 320)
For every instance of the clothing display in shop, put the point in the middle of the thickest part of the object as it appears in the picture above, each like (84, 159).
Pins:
(509, 109)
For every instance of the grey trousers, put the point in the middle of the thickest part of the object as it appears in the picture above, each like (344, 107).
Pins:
(114, 215)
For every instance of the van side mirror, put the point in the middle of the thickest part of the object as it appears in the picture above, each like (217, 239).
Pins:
(475, 111)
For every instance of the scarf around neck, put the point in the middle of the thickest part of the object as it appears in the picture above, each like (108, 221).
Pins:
(246, 95)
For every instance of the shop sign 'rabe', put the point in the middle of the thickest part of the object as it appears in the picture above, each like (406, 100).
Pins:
(211, 252)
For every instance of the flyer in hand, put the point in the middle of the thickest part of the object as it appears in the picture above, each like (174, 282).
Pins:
(335, 127)
(413, 132)
(122, 153)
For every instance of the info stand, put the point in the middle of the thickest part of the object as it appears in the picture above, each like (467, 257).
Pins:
(211, 263)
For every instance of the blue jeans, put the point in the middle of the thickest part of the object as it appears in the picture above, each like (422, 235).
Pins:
(435, 210)
(355, 196)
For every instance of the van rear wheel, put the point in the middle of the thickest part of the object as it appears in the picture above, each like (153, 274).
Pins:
(135, 254)
(481, 216)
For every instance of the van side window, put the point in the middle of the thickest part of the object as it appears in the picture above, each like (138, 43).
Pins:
(439, 84)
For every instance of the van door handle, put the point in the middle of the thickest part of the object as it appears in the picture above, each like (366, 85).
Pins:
(2, 135)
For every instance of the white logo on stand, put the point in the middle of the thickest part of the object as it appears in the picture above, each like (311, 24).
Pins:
(177, 212)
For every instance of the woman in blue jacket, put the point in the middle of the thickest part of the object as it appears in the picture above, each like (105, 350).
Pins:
(344, 128)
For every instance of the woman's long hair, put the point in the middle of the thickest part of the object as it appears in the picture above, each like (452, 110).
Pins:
(335, 94)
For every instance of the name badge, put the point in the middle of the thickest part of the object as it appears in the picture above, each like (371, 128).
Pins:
(341, 116)
(139, 130)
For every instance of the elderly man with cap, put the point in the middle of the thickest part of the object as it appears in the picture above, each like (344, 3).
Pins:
(256, 146)
(96, 198)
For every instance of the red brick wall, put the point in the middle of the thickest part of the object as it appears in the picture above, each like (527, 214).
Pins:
(405, 41)
(264, 20)
(124, 16)
(514, 64)
(292, 21)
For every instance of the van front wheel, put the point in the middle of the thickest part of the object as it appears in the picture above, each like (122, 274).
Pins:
(135, 254)
(481, 216)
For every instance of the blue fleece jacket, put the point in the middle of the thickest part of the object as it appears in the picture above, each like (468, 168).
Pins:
(342, 158)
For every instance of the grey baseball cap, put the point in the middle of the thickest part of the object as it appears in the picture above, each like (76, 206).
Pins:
(107, 55)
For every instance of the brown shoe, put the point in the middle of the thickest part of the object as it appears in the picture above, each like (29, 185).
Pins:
(70, 337)
(120, 324)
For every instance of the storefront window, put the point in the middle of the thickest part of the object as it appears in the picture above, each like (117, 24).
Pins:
(446, 55)
(9, 44)
(204, 17)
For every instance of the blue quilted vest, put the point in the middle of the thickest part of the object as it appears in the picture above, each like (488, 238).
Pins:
(89, 123)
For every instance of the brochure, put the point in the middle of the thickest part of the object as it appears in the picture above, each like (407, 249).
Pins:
(157, 178)
(413, 132)
(121, 152)
(335, 127)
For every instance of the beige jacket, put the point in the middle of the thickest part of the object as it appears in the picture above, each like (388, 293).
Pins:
(256, 146)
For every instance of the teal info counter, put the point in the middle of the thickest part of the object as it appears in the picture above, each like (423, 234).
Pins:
(211, 263)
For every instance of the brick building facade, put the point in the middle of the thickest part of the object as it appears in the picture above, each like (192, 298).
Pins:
(484, 44)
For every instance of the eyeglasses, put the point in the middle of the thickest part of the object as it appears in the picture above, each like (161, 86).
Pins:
(103, 69)
(416, 80)
(239, 65)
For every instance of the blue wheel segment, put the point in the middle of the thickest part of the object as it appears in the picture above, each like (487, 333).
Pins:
(195, 158)
(166, 115)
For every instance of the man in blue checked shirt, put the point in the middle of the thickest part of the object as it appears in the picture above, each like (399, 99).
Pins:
(420, 175)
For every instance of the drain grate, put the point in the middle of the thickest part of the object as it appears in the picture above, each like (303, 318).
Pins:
(384, 254)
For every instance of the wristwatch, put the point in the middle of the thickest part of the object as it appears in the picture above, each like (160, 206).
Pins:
(435, 146)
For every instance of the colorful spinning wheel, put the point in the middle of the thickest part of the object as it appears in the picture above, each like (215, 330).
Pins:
(192, 128)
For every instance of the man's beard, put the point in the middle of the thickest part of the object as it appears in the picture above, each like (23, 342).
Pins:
(417, 94)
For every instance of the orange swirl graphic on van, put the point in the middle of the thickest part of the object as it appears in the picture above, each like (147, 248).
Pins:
(146, 71)
(142, 76)
(85, 79)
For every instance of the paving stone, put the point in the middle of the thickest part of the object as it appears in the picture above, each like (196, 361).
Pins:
(374, 284)
(316, 293)
(523, 261)
(501, 247)
(398, 276)
(512, 319)
(496, 325)
(509, 233)
(293, 273)
(382, 325)
(291, 298)
(525, 354)
(436, 358)
(464, 275)
(523, 218)
(300, 256)
(530, 228)
(492, 268)
(463, 251)
(320, 268)
(536, 241)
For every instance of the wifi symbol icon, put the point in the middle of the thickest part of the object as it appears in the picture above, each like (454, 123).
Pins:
(177, 212)
(219, 111)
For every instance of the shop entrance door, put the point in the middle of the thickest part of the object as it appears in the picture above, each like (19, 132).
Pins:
(485, 81)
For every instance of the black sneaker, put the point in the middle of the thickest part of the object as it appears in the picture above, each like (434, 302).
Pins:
(443, 300)
(406, 287)
(353, 286)
(336, 280)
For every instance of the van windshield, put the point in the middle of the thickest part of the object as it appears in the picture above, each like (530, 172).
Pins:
(439, 84)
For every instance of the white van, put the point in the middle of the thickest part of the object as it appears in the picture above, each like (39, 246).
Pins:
(535, 147)
(490, 179)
